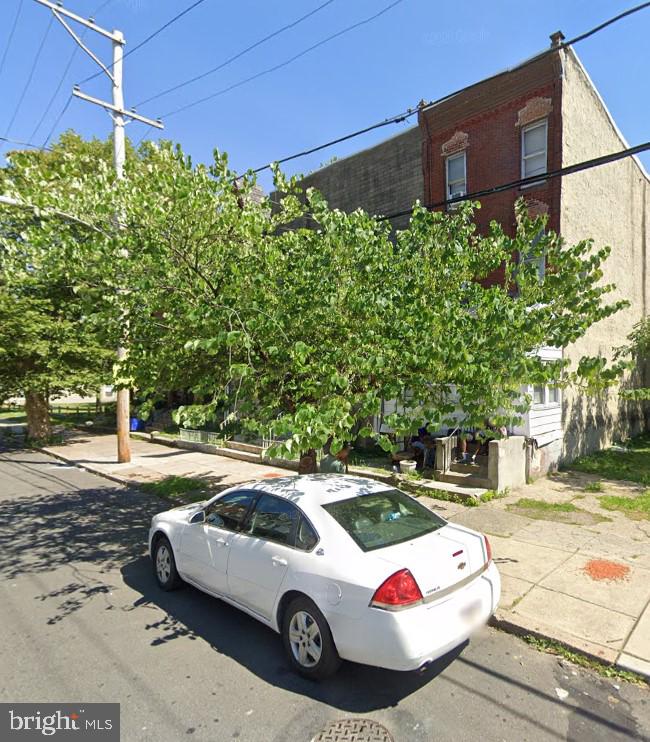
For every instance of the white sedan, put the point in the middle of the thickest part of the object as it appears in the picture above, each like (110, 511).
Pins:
(342, 567)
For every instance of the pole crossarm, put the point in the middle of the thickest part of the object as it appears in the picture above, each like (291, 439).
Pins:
(76, 37)
(88, 23)
(117, 110)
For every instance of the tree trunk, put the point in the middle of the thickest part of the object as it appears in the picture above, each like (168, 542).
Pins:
(308, 463)
(38, 416)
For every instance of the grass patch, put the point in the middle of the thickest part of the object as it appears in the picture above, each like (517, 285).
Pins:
(12, 417)
(494, 495)
(607, 671)
(176, 487)
(560, 512)
(594, 487)
(632, 464)
(637, 508)
(544, 506)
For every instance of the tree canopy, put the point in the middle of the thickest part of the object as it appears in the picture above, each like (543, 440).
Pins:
(301, 332)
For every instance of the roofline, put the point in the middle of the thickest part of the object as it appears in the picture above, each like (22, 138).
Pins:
(608, 114)
(362, 151)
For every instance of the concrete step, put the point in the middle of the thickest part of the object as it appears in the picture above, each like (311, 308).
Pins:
(464, 479)
(480, 470)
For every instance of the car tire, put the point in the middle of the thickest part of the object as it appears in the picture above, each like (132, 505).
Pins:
(308, 640)
(164, 565)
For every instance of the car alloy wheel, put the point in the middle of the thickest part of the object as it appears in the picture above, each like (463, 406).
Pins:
(163, 563)
(308, 640)
(305, 639)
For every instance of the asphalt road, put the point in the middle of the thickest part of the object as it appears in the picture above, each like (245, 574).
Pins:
(81, 619)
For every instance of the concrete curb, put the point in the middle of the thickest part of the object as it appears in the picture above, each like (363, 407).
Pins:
(506, 621)
(84, 467)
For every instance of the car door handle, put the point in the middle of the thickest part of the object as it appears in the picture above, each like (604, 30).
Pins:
(279, 561)
(222, 541)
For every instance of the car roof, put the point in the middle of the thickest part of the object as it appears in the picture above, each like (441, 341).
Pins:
(318, 488)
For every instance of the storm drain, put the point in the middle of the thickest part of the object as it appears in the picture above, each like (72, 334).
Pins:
(354, 730)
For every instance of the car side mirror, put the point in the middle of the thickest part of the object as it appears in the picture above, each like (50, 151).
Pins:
(198, 517)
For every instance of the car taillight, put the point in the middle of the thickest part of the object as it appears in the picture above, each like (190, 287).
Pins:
(488, 549)
(398, 591)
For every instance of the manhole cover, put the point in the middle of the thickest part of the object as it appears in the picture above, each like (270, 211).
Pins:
(354, 730)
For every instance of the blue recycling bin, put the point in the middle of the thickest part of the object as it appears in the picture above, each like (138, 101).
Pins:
(136, 424)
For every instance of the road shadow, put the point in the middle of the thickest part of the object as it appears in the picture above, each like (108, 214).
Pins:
(102, 530)
(191, 614)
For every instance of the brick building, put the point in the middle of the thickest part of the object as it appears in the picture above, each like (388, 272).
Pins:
(542, 115)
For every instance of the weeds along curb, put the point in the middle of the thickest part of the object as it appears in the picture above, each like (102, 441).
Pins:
(556, 647)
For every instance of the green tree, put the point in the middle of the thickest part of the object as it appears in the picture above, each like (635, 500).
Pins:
(49, 342)
(300, 333)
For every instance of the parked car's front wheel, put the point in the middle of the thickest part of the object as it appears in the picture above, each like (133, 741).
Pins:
(164, 565)
(308, 640)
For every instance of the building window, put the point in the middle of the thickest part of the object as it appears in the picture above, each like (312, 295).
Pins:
(546, 395)
(456, 178)
(538, 394)
(533, 149)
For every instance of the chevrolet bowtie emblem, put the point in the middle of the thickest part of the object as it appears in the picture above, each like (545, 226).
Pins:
(462, 565)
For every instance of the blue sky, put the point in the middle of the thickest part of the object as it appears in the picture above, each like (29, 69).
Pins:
(419, 49)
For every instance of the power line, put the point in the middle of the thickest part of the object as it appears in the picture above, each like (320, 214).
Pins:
(558, 173)
(393, 120)
(228, 61)
(521, 182)
(23, 144)
(65, 72)
(149, 38)
(30, 76)
(285, 63)
(411, 112)
(11, 35)
(58, 118)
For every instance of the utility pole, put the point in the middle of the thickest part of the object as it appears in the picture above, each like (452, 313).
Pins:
(118, 113)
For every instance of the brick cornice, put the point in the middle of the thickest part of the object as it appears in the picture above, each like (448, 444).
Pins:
(535, 109)
(457, 143)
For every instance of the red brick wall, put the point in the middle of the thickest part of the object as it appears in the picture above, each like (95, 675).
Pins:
(488, 114)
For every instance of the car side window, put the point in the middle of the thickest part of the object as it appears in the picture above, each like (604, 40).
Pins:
(230, 510)
(306, 537)
(274, 519)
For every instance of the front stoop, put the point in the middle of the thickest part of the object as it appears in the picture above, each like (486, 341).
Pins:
(466, 479)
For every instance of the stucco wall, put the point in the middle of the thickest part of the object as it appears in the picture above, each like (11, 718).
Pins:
(383, 179)
(609, 204)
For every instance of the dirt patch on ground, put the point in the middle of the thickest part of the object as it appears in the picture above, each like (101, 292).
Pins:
(603, 569)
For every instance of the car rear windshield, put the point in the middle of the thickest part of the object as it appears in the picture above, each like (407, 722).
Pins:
(383, 518)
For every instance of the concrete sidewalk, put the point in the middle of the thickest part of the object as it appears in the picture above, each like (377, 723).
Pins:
(584, 583)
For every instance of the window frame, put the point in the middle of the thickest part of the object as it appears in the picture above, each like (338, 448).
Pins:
(216, 501)
(547, 402)
(525, 156)
(301, 516)
(448, 183)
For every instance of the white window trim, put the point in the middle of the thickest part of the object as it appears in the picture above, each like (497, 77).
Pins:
(547, 403)
(448, 182)
(525, 156)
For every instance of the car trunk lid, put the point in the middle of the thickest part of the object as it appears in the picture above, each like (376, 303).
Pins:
(439, 560)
